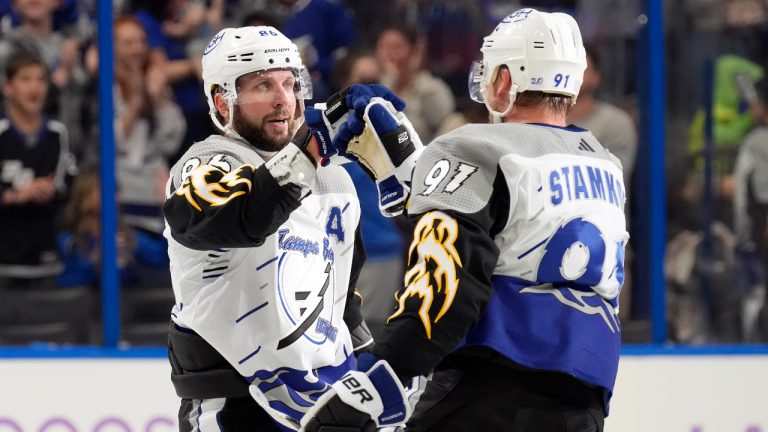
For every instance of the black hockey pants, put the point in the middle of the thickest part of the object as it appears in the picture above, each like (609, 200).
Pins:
(475, 395)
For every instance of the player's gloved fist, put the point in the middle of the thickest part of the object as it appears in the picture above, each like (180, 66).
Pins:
(361, 401)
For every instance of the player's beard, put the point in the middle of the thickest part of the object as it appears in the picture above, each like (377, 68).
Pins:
(256, 134)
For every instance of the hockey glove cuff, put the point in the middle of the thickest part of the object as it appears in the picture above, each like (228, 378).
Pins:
(318, 127)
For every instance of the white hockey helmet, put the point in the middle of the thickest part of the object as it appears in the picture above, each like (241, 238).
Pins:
(235, 52)
(543, 51)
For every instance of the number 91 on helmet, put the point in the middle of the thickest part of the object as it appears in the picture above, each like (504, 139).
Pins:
(259, 51)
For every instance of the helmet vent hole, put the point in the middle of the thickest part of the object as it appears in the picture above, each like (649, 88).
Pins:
(287, 60)
(271, 61)
(538, 44)
(238, 37)
(522, 68)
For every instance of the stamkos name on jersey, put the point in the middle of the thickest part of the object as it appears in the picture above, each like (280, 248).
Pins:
(576, 182)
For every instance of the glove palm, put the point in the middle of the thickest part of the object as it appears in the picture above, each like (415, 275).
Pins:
(388, 149)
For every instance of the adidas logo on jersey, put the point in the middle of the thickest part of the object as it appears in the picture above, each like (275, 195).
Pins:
(584, 146)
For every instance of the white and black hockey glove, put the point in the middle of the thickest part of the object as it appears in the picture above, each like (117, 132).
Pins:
(388, 149)
(328, 121)
(294, 164)
(361, 401)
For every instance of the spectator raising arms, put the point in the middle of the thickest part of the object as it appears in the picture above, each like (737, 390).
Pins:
(429, 99)
(149, 127)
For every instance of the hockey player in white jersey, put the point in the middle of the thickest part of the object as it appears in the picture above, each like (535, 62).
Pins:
(264, 247)
(514, 271)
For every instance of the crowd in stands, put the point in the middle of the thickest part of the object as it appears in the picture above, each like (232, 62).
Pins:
(715, 265)
(49, 137)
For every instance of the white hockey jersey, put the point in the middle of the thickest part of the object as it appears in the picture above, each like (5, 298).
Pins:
(518, 247)
(265, 283)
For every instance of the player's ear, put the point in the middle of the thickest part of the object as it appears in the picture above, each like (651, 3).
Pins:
(503, 81)
(221, 106)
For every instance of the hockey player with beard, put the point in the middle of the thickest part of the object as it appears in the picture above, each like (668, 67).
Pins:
(264, 246)
(516, 263)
